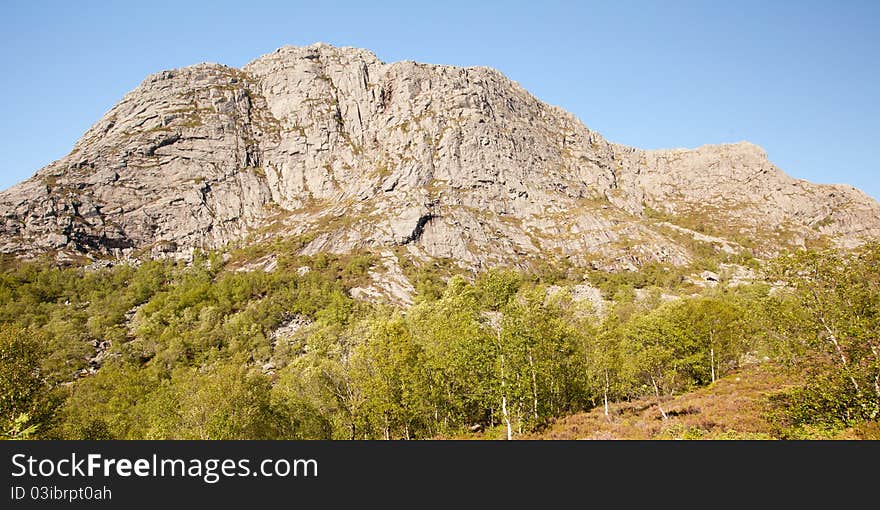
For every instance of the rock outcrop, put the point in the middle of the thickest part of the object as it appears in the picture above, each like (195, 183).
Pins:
(333, 144)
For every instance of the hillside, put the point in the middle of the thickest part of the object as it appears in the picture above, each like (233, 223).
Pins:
(335, 146)
(734, 407)
(321, 245)
(737, 406)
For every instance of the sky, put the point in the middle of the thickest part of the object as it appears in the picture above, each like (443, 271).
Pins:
(798, 78)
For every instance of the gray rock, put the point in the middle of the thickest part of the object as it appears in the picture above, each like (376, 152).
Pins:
(709, 276)
(446, 161)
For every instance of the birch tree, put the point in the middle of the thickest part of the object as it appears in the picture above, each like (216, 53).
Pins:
(833, 309)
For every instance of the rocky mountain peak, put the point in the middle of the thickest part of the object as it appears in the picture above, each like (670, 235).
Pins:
(318, 51)
(334, 146)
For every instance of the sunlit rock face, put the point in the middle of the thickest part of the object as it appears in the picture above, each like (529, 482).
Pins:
(442, 161)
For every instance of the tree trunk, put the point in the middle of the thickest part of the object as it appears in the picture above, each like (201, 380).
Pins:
(605, 393)
(876, 410)
(843, 360)
(519, 414)
(712, 362)
(504, 403)
(657, 394)
(534, 387)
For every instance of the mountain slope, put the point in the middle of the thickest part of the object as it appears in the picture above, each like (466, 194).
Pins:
(345, 151)
(738, 406)
(735, 407)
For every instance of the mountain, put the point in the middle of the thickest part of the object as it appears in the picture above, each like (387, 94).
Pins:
(335, 147)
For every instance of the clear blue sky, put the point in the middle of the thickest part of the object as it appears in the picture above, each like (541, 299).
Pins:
(798, 78)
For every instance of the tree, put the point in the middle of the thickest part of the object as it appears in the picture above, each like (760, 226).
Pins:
(220, 401)
(720, 329)
(497, 287)
(110, 403)
(20, 430)
(25, 397)
(302, 411)
(325, 376)
(389, 368)
(602, 362)
(828, 316)
(543, 349)
(661, 353)
(459, 357)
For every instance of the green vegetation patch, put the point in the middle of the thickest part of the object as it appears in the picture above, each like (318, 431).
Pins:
(194, 351)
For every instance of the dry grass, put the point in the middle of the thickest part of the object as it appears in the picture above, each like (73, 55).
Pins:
(734, 407)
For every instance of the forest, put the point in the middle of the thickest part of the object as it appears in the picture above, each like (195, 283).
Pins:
(167, 350)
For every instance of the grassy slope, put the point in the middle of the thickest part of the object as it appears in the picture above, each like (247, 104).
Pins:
(734, 407)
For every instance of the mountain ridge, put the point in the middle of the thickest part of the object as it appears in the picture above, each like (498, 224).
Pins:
(438, 161)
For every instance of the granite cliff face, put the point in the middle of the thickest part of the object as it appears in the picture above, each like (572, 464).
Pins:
(443, 161)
